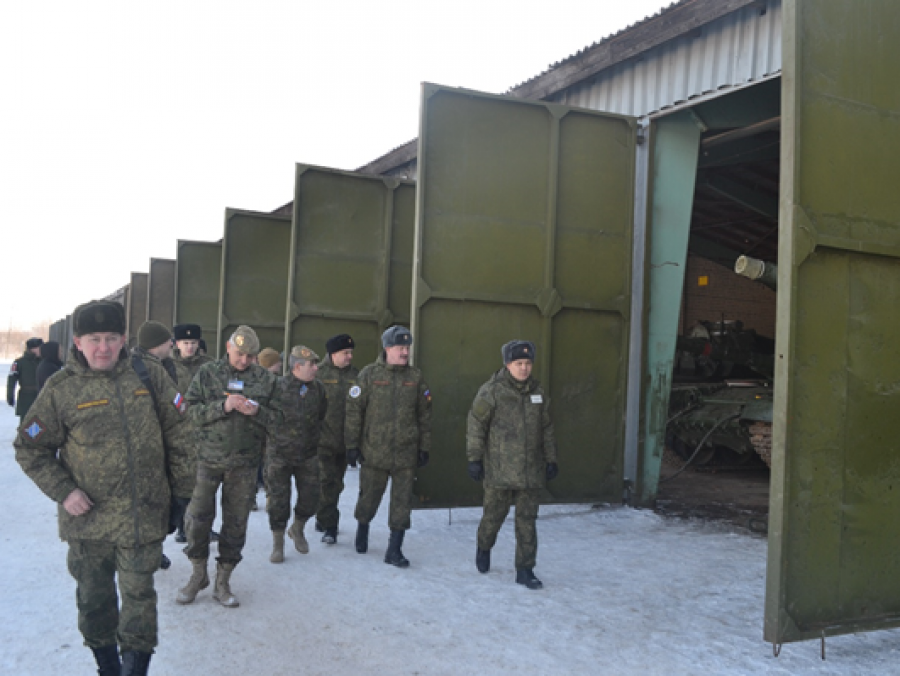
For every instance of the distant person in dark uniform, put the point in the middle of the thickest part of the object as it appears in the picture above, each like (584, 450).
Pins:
(190, 348)
(51, 362)
(24, 372)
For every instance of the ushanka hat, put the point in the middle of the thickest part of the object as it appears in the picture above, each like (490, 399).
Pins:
(396, 335)
(32, 343)
(517, 349)
(99, 316)
(188, 332)
(338, 343)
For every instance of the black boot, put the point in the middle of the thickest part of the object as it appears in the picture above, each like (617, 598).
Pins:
(319, 527)
(165, 562)
(330, 536)
(107, 660)
(180, 536)
(213, 536)
(135, 663)
(482, 560)
(362, 537)
(393, 555)
(526, 576)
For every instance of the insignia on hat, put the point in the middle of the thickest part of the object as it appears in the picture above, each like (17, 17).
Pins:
(305, 353)
(525, 350)
(355, 391)
(98, 317)
(239, 341)
(34, 430)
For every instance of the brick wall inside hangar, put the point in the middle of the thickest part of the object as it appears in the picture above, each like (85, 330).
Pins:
(712, 291)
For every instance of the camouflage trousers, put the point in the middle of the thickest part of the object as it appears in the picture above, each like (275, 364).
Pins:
(497, 502)
(95, 566)
(278, 486)
(238, 488)
(332, 467)
(372, 484)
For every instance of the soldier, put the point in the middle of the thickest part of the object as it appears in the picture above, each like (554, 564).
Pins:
(509, 431)
(24, 372)
(51, 362)
(271, 361)
(109, 479)
(232, 403)
(388, 430)
(338, 376)
(155, 348)
(189, 358)
(188, 338)
(293, 451)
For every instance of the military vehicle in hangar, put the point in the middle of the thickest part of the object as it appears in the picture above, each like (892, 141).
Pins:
(720, 408)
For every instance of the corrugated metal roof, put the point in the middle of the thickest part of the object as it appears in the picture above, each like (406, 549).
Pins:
(737, 49)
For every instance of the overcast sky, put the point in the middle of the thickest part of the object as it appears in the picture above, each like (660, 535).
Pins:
(129, 125)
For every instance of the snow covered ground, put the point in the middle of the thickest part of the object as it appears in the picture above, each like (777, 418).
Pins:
(626, 592)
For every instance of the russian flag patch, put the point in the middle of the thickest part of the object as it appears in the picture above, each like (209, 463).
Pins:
(179, 402)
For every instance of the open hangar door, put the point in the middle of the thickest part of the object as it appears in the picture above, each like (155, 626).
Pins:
(835, 436)
(718, 420)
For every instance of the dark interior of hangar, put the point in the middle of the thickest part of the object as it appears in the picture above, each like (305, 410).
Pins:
(719, 425)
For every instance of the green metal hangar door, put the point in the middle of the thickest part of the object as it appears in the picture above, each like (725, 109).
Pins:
(766, 129)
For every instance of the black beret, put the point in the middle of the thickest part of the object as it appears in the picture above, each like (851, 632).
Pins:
(99, 316)
(338, 343)
(32, 343)
(187, 332)
(517, 349)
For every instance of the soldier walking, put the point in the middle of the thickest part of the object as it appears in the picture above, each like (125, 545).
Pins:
(94, 443)
(154, 348)
(232, 403)
(24, 373)
(388, 430)
(337, 375)
(292, 451)
(510, 446)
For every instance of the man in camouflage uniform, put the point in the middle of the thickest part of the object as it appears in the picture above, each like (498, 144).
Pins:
(338, 376)
(232, 403)
(388, 430)
(292, 451)
(510, 445)
(155, 347)
(188, 359)
(24, 372)
(187, 348)
(109, 479)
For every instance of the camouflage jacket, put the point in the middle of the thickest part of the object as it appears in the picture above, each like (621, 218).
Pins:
(110, 445)
(191, 364)
(182, 451)
(509, 429)
(337, 384)
(389, 415)
(24, 372)
(229, 440)
(304, 405)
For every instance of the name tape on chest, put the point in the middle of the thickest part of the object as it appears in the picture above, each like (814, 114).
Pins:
(237, 385)
(91, 404)
(537, 399)
(141, 392)
(355, 391)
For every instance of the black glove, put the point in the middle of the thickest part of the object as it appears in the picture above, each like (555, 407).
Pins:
(423, 458)
(476, 470)
(353, 456)
(552, 471)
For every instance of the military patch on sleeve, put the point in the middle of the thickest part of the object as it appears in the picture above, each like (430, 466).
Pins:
(91, 404)
(179, 403)
(355, 391)
(35, 429)
(14, 367)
